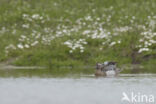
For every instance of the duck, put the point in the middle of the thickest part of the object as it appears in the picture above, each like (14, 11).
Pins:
(107, 69)
(99, 71)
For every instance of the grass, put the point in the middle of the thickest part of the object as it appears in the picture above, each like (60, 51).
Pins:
(59, 72)
(46, 18)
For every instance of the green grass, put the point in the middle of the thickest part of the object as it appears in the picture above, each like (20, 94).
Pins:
(56, 55)
(59, 72)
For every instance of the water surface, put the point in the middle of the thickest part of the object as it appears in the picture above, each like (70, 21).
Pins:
(78, 90)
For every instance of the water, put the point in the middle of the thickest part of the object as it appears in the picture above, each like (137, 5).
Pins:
(82, 90)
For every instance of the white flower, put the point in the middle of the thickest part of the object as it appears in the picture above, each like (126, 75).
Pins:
(73, 48)
(23, 36)
(64, 31)
(143, 49)
(38, 36)
(11, 46)
(98, 19)
(81, 48)
(84, 42)
(35, 16)
(133, 17)
(20, 46)
(41, 18)
(139, 46)
(70, 51)
(101, 48)
(119, 41)
(81, 51)
(152, 41)
(25, 15)
(149, 17)
(103, 43)
(34, 43)
(25, 25)
(123, 29)
(14, 32)
(152, 24)
(131, 21)
(26, 46)
(67, 43)
(88, 18)
(86, 32)
(113, 43)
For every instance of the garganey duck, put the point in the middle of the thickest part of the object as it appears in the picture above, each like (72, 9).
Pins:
(106, 69)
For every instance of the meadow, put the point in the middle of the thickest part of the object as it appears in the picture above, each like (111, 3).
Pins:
(76, 34)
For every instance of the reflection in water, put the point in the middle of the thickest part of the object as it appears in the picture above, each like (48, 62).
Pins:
(83, 90)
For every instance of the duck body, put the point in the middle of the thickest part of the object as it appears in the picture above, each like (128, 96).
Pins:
(106, 69)
(100, 73)
(110, 73)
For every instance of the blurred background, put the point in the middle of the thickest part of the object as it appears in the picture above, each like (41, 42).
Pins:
(72, 36)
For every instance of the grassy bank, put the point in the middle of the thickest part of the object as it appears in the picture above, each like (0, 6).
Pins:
(58, 33)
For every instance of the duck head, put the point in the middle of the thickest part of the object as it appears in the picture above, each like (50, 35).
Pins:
(99, 68)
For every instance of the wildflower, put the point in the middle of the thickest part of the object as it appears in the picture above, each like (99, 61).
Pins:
(119, 41)
(149, 17)
(88, 18)
(152, 24)
(84, 42)
(70, 51)
(11, 46)
(98, 19)
(26, 46)
(113, 43)
(133, 17)
(81, 51)
(35, 16)
(143, 49)
(20, 46)
(101, 48)
(81, 48)
(34, 43)
(24, 15)
(23, 36)
(25, 25)
(86, 32)
(14, 32)
(67, 43)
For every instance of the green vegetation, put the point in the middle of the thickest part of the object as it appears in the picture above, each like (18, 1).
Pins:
(63, 33)
(46, 73)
